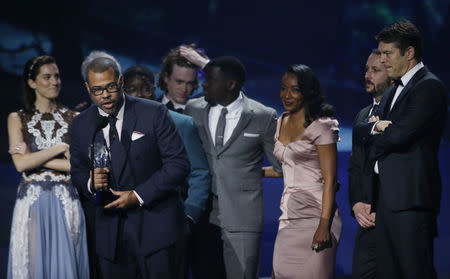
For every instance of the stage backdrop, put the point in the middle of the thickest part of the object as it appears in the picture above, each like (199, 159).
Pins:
(333, 37)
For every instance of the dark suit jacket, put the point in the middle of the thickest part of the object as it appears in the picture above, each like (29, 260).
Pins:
(195, 191)
(153, 165)
(359, 182)
(407, 151)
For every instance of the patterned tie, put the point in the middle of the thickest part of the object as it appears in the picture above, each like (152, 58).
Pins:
(220, 130)
(113, 135)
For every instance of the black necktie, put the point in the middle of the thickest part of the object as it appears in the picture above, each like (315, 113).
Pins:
(220, 130)
(171, 107)
(114, 150)
(374, 110)
(113, 135)
(397, 82)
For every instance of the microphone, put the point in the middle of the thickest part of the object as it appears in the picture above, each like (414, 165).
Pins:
(100, 123)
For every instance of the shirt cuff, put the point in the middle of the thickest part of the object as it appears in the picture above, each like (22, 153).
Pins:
(203, 67)
(192, 219)
(372, 131)
(89, 186)
(141, 201)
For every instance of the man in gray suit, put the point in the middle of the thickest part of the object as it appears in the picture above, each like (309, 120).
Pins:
(236, 133)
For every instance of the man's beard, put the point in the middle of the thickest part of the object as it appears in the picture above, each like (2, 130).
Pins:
(378, 90)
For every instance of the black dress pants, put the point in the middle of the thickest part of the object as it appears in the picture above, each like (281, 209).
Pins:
(364, 254)
(405, 243)
(161, 264)
(205, 251)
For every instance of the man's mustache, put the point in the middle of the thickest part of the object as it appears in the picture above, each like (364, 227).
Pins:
(368, 82)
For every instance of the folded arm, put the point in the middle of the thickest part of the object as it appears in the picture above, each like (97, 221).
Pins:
(25, 160)
(426, 105)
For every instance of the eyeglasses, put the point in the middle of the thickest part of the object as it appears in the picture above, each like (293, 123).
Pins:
(112, 87)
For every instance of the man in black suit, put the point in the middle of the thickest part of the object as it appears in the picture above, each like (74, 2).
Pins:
(404, 156)
(360, 185)
(178, 78)
(128, 156)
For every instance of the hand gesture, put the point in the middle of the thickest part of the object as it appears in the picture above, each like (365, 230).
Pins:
(193, 56)
(18, 148)
(382, 125)
(62, 147)
(126, 199)
(322, 237)
(373, 118)
(363, 216)
(101, 179)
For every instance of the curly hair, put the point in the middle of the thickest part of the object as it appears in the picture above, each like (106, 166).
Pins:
(31, 71)
(313, 99)
(174, 58)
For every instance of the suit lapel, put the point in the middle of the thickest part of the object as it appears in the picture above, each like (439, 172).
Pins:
(363, 116)
(245, 118)
(129, 122)
(205, 116)
(417, 76)
(385, 102)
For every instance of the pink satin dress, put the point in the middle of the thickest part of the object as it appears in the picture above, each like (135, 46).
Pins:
(301, 205)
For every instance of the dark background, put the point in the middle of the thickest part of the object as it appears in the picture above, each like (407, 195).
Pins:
(333, 37)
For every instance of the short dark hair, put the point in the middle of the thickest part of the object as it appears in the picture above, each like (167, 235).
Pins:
(404, 34)
(313, 99)
(102, 64)
(230, 66)
(30, 71)
(139, 70)
(376, 51)
(174, 58)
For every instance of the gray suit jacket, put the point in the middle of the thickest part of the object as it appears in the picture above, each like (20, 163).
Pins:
(236, 167)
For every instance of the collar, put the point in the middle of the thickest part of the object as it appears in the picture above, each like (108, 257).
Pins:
(119, 114)
(235, 106)
(375, 102)
(165, 100)
(408, 76)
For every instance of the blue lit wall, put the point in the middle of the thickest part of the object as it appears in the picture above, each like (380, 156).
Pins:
(333, 37)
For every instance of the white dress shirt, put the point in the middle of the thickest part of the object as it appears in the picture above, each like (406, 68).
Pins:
(165, 100)
(119, 124)
(405, 79)
(231, 118)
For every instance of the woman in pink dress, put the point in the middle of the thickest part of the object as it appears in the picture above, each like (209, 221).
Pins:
(305, 144)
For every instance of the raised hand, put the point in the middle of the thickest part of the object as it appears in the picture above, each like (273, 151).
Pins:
(193, 56)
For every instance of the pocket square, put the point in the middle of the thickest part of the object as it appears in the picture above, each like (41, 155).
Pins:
(136, 135)
(250, 135)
